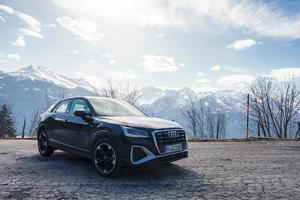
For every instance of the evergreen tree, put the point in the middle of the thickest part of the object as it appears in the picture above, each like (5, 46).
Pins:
(7, 127)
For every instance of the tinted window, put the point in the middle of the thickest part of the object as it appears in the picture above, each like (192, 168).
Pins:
(80, 105)
(62, 107)
(112, 107)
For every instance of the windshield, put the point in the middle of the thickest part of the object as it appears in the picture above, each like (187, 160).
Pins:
(112, 107)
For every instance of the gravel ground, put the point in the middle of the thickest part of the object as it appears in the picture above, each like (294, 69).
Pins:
(224, 170)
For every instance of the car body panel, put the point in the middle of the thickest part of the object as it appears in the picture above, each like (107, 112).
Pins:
(78, 135)
(140, 122)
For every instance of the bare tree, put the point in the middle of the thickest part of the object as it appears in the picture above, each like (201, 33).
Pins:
(110, 91)
(274, 106)
(210, 123)
(191, 115)
(203, 121)
(221, 125)
(131, 95)
(33, 123)
(50, 99)
(148, 110)
(119, 91)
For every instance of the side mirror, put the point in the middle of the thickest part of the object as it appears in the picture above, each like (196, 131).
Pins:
(80, 113)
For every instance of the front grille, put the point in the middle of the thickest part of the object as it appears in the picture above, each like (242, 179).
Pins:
(164, 138)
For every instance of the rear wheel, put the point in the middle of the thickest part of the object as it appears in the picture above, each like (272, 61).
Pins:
(43, 144)
(106, 158)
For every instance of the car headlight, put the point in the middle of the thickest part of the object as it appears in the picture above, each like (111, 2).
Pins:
(133, 132)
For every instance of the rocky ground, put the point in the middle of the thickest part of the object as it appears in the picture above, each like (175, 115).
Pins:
(214, 170)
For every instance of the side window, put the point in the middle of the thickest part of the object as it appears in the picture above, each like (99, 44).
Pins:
(80, 105)
(62, 107)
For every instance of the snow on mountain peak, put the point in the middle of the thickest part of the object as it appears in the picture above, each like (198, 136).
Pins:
(45, 74)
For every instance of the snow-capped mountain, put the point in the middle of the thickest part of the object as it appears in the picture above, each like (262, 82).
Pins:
(169, 103)
(26, 90)
(40, 73)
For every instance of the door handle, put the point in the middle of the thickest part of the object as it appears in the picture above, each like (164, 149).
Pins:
(59, 119)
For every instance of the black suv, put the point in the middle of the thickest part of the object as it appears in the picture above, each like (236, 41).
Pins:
(110, 132)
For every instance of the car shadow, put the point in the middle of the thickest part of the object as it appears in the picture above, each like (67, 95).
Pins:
(76, 176)
(62, 164)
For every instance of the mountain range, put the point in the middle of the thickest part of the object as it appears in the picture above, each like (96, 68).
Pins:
(28, 89)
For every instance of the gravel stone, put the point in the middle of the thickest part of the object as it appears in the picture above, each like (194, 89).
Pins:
(214, 170)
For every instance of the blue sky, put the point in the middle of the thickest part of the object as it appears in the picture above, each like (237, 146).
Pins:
(206, 45)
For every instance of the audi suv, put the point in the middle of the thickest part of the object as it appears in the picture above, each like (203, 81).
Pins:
(112, 133)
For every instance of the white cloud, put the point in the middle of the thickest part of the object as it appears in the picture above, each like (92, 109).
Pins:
(203, 80)
(205, 87)
(241, 44)
(79, 74)
(257, 16)
(33, 23)
(121, 74)
(160, 35)
(112, 61)
(13, 56)
(2, 61)
(92, 61)
(215, 68)
(50, 25)
(154, 63)
(285, 73)
(182, 65)
(20, 42)
(235, 81)
(31, 33)
(7, 9)
(34, 26)
(75, 52)
(84, 29)
(2, 19)
(200, 74)
(107, 55)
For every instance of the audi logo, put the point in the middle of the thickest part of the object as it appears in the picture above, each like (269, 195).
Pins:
(173, 134)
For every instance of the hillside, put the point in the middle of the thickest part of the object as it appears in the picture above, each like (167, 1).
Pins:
(26, 90)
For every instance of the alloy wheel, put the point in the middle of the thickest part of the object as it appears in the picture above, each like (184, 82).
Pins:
(105, 158)
(42, 142)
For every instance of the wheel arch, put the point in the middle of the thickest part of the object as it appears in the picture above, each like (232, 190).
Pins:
(102, 133)
(39, 128)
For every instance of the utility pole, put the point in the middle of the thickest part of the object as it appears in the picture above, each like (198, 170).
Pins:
(258, 129)
(248, 97)
(298, 132)
(23, 130)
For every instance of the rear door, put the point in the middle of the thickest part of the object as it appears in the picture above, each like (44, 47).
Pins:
(79, 129)
(59, 122)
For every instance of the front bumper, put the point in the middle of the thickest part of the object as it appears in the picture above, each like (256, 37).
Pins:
(146, 157)
(147, 151)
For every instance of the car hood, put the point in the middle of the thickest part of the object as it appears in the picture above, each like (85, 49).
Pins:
(139, 122)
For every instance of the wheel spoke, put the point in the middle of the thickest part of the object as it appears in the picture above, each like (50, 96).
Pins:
(99, 160)
(42, 142)
(105, 158)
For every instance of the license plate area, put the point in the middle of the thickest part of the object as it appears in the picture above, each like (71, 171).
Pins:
(173, 148)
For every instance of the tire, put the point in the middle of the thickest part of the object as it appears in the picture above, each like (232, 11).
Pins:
(44, 148)
(106, 158)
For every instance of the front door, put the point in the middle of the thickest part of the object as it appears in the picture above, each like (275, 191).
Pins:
(79, 129)
(59, 131)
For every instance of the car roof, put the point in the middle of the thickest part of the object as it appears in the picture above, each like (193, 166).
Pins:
(84, 97)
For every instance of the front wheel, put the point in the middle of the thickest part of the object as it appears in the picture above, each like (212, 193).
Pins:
(43, 144)
(106, 158)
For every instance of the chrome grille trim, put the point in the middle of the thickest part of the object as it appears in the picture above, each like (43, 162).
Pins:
(166, 130)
